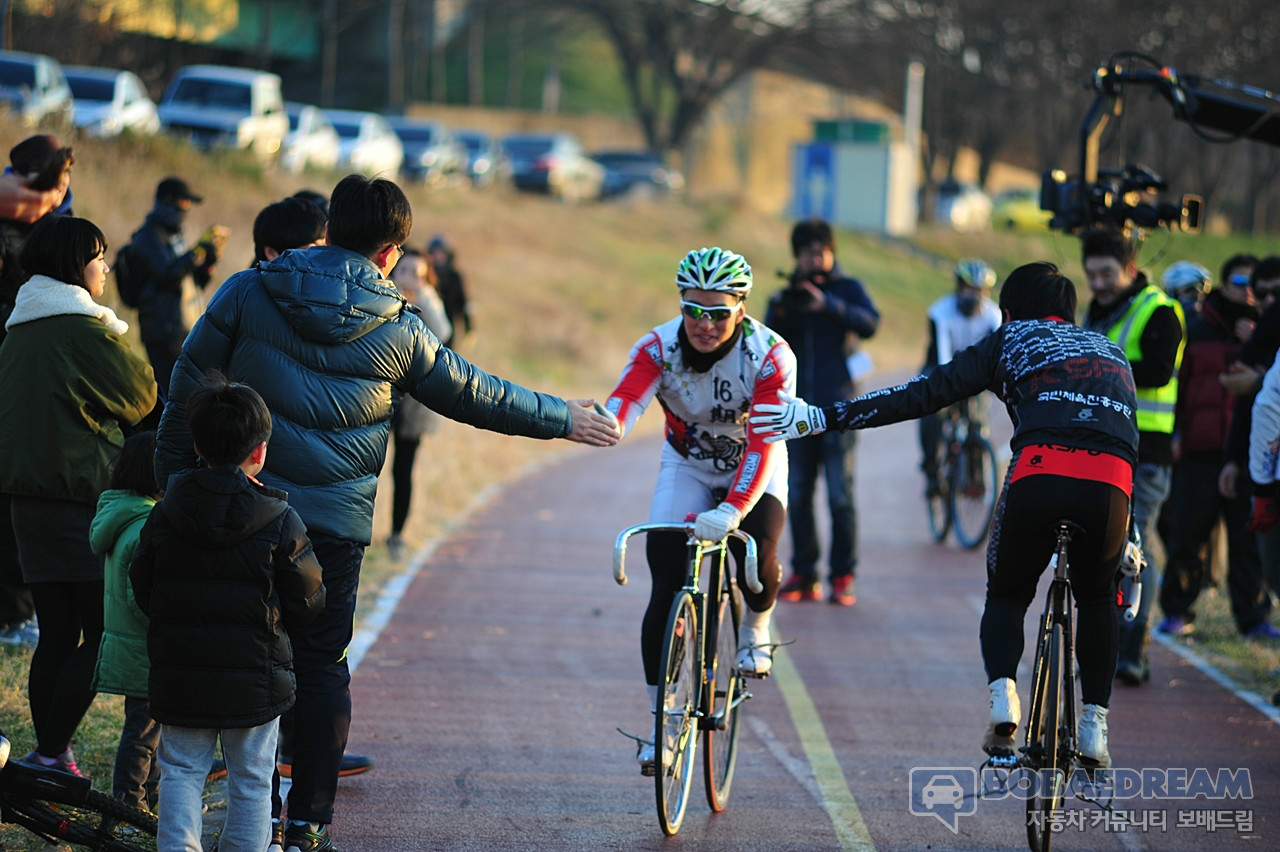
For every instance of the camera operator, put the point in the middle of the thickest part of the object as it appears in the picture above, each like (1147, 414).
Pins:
(1148, 325)
(823, 313)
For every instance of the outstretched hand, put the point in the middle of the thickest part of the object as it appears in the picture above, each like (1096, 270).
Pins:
(787, 421)
(593, 424)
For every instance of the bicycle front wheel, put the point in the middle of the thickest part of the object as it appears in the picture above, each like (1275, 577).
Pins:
(720, 746)
(675, 723)
(973, 492)
(1051, 779)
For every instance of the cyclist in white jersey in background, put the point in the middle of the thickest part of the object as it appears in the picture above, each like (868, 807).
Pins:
(707, 368)
(957, 321)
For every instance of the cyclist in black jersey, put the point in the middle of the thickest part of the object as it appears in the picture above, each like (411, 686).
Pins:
(1070, 394)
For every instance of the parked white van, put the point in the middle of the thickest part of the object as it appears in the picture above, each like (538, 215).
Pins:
(221, 106)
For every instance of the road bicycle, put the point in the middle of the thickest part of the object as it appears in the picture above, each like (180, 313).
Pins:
(701, 689)
(965, 498)
(64, 808)
(1050, 752)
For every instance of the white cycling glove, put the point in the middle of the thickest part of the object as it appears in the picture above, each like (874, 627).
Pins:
(784, 422)
(715, 524)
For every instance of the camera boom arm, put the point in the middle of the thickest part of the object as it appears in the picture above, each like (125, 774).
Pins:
(1234, 110)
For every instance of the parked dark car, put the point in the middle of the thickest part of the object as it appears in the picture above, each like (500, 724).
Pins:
(431, 153)
(639, 172)
(487, 163)
(553, 163)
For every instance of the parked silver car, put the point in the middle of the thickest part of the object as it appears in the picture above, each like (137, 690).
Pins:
(432, 154)
(223, 106)
(369, 145)
(312, 142)
(35, 91)
(110, 102)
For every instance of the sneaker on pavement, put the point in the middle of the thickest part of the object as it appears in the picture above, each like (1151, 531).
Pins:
(65, 762)
(842, 591)
(1263, 630)
(395, 547)
(1176, 625)
(1006, 713)
(352, 764)
(1093, 737)
(800, 589)
(300, 838)
(755, 652)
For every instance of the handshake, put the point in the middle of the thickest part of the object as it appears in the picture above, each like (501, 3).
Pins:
(787, 421)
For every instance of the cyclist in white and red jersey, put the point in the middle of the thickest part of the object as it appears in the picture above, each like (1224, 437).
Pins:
(707, 368)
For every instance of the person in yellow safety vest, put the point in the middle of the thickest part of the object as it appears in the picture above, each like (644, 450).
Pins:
(1149, 326)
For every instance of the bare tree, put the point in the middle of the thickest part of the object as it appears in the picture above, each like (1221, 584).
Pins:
(678, 56)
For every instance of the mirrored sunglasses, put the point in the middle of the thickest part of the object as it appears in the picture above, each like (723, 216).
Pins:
(697, 312)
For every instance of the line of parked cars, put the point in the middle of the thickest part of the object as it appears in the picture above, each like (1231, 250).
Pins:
(217, 106)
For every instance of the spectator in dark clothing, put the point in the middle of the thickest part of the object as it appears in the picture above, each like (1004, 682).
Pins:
(175, 274)
(44, 166)
(823, 314)
(452, 291)
(1215, 336)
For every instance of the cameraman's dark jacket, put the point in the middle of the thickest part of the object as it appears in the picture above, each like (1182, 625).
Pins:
(163, 258)
(823, 340)
(223, 567)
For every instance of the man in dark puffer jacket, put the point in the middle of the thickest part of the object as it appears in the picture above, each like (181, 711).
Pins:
(223, 567)
(332, 347)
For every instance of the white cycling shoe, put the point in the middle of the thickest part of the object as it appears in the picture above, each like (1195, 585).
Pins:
(1006, 713)
(1092, 729)
(648, 757)
(755, 651)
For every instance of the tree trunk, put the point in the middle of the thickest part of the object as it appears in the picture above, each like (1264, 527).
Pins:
(475, 59)
(395, 55)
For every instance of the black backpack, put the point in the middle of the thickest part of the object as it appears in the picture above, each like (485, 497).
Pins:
(130, 276)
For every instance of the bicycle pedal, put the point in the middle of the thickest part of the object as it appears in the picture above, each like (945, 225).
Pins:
(648, 770)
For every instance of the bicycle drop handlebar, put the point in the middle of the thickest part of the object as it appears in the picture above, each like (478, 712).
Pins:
(620, 550)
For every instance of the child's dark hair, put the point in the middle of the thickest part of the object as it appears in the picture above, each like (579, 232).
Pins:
(1108, 242)
(134, 468)
(1038, 290)
(287, 224)
(366, 214)
(811, 231)
(227, 420)
(61, 247)
(1268, 269)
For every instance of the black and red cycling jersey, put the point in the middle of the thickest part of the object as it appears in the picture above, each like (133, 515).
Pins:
(1063, 387)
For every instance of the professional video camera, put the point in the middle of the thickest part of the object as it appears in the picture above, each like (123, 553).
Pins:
(1128, 198)
(1118, 199)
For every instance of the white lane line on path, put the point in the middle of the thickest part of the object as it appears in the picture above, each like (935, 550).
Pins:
(832, 792)
(1214, 674)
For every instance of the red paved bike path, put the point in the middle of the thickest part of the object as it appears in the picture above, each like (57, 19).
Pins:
(490, 701)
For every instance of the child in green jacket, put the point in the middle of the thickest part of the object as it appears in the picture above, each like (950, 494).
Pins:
(123, 667)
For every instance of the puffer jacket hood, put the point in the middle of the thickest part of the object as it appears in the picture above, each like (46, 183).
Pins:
(211, 508)
(330, 295)
(116, 510)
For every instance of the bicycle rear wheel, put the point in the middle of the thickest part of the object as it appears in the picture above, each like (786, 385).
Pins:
(675, 724)
(973, 492)
(1051, 780)
(720, 745)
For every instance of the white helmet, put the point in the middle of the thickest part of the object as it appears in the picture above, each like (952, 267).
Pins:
(1185, 275)
(715, 269)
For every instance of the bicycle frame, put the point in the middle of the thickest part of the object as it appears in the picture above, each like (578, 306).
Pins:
(712, 690)
(60, 807)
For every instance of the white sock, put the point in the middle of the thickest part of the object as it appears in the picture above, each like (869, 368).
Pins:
(755, 626)
(653, 695)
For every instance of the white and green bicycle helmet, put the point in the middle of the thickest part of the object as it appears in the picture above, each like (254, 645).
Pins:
(715, 269)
